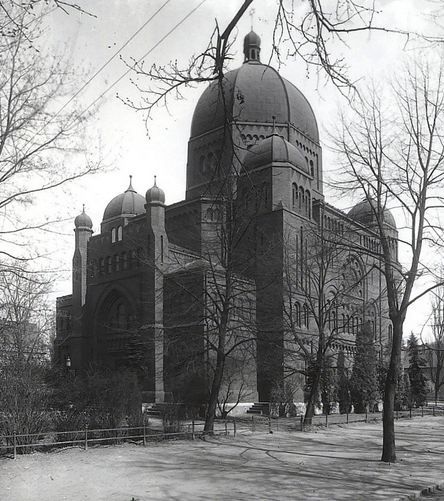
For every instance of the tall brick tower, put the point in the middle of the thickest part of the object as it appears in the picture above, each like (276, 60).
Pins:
(83, 232)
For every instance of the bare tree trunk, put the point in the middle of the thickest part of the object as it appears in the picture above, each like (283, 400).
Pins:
(388, 417)
(437, 378)
(310, 410)
(214, 392)
(314, 390)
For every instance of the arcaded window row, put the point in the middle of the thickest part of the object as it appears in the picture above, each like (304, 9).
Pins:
(118, 262)
(301, 200)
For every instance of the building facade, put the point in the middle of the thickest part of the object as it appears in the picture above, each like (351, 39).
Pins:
(241, 255)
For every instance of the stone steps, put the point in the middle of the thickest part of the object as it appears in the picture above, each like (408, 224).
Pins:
(259, 409)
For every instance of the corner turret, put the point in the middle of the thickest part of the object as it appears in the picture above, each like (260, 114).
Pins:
(83, 231)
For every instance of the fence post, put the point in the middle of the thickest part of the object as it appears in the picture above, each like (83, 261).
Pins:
(347, 415)
(192, 430)
(326, 420)
(410, 413)
(422, 411)
(302, 422)
(366, 416)
(226, 428)
(144, 431)
(252, 424)
(269, 424)
(14, 442)
(234, 427)
(86, 436)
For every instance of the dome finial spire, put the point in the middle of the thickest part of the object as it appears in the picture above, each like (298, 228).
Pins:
(83, 221)
(130, 187)
(155, 195)
(252, 12)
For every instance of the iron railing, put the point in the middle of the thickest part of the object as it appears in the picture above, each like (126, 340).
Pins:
(26, 442)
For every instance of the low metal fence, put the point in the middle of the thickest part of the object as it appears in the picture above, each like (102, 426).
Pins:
(12, 445)
(263, 423)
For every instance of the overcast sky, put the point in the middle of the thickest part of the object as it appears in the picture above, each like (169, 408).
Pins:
(125, 146)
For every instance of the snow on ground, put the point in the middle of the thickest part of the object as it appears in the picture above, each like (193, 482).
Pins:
(339, 463)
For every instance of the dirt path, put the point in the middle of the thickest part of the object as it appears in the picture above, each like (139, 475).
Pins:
(334, 464)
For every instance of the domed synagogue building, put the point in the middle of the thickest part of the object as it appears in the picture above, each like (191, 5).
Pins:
(151, 291)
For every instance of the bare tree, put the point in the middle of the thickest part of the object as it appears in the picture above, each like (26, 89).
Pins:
(26, 319)
(11, 12)
(41, 144)
(26, 324)
(434, 349)
(394, 156)
(309, 33)
(325, 303)
(214, 291)
(233, 392)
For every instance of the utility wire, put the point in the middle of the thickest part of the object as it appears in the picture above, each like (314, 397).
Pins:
(126, 72)
(106, 63)
(143, 57)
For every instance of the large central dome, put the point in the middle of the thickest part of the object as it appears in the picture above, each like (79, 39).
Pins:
(255, 92)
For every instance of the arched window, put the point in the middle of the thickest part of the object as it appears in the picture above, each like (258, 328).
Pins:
(121, 317)
(306, 316)
(119, 233)
(117, 262)
(301, 197)
(295, 196)
(113, 235)
(297, 313)
(108, 264)
(311, 168)
(124, 261)
(308, 203)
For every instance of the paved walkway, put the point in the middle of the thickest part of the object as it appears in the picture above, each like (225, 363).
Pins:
(341, 463)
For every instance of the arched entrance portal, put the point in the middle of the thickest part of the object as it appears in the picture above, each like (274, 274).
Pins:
(119, 342)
